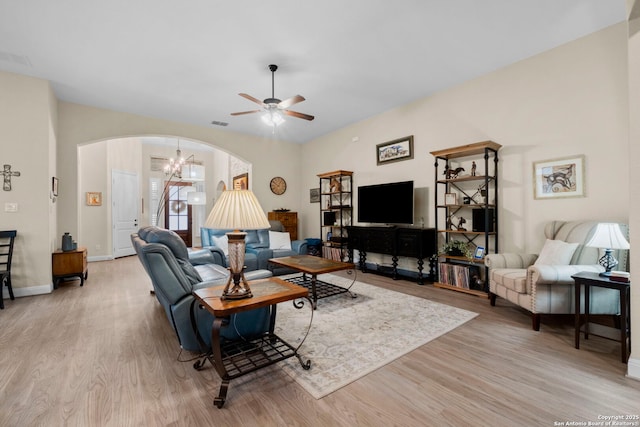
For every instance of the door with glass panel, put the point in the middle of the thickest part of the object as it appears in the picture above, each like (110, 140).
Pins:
(177, 212)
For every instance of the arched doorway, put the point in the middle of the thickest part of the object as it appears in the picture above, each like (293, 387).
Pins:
(96, 160)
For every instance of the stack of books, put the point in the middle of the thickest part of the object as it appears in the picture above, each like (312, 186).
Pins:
(620, 276)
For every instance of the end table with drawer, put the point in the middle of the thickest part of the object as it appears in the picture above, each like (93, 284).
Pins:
(65, 264)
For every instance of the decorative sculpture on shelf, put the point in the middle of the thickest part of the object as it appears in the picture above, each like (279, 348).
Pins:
(335, 185)
(473, 168)
(459, 226)
(452, 173)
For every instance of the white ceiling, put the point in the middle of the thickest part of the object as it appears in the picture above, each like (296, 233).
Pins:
(351, 59)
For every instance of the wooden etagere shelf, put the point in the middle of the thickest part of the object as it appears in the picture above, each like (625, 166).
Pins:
(466, 208)
(336, 212)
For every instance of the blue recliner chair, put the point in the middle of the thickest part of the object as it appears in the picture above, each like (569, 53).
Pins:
(175, 273)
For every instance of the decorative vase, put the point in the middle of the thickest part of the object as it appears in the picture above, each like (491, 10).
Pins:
(67, 242)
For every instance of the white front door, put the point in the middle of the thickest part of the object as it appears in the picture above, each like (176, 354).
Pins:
(124, 197)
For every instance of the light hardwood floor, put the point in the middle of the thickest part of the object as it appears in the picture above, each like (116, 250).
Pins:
(105, 355)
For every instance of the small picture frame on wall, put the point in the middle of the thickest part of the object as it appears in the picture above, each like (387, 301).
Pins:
(559, 178)
(314, 195)
(450, 199)
(94, 198)
(241, 182)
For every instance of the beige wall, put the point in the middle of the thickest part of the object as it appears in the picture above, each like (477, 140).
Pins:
(564, 102)
(94, 222)
(634, 176)
(96, 162)
(27, 141)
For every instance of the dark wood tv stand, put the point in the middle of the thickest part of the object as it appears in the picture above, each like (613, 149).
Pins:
(419, 243)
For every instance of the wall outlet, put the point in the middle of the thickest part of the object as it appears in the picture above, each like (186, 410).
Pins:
(11, 207)
(98, 247)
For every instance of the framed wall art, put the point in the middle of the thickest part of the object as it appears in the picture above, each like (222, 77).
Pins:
(559, 178)
(241, 182)
(395, 151)
(314, 195)
(94, 198)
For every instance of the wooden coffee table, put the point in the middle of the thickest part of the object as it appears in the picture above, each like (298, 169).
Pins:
(313, 265)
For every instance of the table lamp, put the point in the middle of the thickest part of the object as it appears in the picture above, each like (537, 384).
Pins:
(608, 236)
(237, 210)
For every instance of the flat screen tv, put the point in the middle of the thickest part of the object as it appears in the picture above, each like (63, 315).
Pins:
(390, 203)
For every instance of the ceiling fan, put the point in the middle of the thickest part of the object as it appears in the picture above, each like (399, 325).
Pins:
(273, 106)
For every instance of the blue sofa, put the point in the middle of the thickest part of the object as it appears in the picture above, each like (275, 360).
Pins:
(257, 253)
(176, 272)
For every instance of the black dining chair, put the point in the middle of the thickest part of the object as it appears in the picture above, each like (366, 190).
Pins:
(6, 253)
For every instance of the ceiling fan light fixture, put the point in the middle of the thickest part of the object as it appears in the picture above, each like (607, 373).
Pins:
(273, 108)
(272, 117)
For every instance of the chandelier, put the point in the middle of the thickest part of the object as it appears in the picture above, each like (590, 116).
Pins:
(174, 167)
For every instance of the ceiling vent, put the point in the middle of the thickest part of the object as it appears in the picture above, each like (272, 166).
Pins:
(16, 59)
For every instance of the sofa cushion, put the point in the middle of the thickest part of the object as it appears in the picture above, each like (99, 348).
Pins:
(279, 240)
(280, 253)
(250, 262)
(556, 252)
(221, 242)
(511, 278)
(168, 238)
(251, 237)
(212, 272)
(262, 240)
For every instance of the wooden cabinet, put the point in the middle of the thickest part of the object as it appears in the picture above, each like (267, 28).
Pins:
(289, 220)
(336, 208)
(416, 243)
(69, 264)
(466, 209)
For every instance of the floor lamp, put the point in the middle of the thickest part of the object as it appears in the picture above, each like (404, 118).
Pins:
(237, 210)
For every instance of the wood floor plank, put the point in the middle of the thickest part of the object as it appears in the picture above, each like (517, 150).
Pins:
(105, 355)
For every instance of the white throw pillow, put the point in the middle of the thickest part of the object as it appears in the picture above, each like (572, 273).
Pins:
(556, 252)
(279, 240)
(222, 242)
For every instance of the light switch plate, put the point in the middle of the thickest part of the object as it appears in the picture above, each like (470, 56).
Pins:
(11, 207)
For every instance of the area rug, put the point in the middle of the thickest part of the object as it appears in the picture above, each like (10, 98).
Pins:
(352, 337)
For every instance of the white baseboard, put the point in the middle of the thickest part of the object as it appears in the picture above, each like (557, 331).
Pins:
(32, 290)
(48, 288)
(100, 258)
(633, 368)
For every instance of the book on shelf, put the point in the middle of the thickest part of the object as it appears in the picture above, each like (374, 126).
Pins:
(332, 253)
(460, 276)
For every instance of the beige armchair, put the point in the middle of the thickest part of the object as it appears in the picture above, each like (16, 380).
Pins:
(547, 288)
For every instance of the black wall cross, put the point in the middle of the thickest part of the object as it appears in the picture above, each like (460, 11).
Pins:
(7, 173)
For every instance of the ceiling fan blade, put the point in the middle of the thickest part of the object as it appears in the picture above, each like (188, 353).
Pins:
(251, 98)
(291, 101)
(245, 112)
(298, 115)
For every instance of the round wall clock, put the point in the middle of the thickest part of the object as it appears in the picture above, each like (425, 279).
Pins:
(278, 185)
